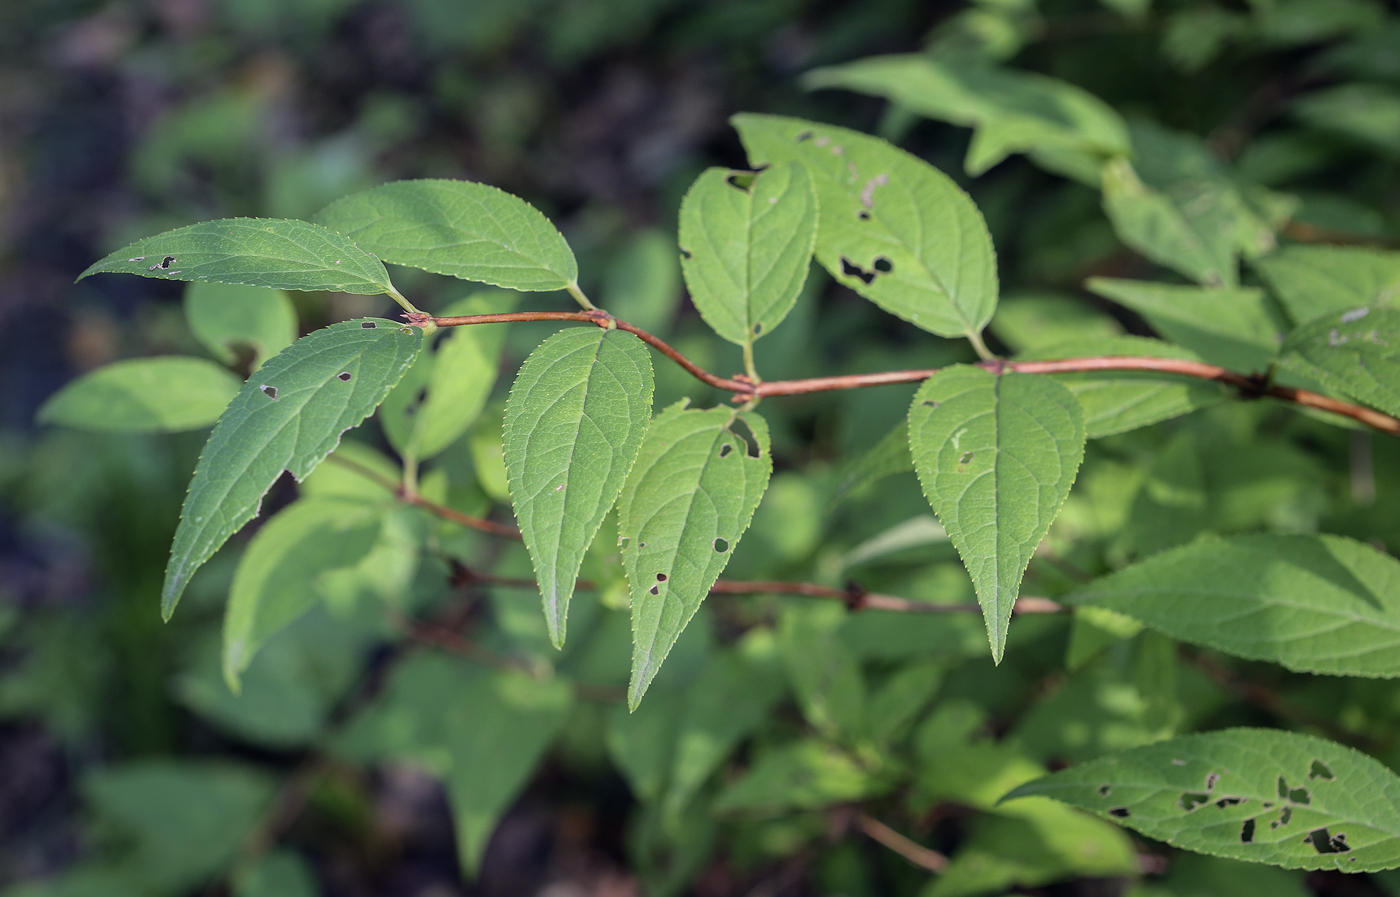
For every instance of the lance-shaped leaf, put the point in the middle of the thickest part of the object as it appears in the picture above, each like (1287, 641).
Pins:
(690, 497)
(1355, 351)
(893, 228)
(144, 395)
(996, 456)
(574, 423)
(1260, 795)
(261, 252)
(1317, 604)
(458, 228)
(746, 242)
(288, 416)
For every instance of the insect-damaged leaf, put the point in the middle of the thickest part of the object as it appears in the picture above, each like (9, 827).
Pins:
(144, 395)
(1252, 794)
(574, 423)
(746, 247)
(690, 497)
(458, 228)
(1355, 351)
(262, 252)
(996, 456)
(893, 228)
(1317, 604)
(288, 416)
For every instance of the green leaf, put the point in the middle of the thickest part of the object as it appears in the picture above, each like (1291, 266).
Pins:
(801, 775)
(281, 873)
(886, 458)
(1366, 113)
(574, 423)
(1118, 401)
(499, 729)
(746, 243)
(691, 495)
(824, 672)
(1356, 352)
(893, 228)
(1032, 320)
(288, 416)
(1155, 225)
(226, 316)
(262, 252)
(1172, 505)
(144, 395)
(446, 389)
(276, 579)
(458, 228)
(1312, 281)
(1234, 328)
(996, 456)
(1317, 604)
(642, 283)
(1062, 127)
(1251, 794)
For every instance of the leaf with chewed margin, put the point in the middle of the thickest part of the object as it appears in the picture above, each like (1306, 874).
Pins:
(144, 395)
(574, 423)
(996, 456)
(279, 253)
(1356, 352)
(691, 495)
(288, 416)
(1260, 795)
(459, 228)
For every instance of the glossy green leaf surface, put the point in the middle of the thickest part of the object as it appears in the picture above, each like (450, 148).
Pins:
(144, 395)
(574, 424)
(1317, 604)
(996, 456)
(893, 228)
(692, 493)
(1312, 281)
(262, 252)
(1356, 352)
(276, 579)
(746, 247)
(460, 228)
(1260, 795)
(226, 317)
(288, 416)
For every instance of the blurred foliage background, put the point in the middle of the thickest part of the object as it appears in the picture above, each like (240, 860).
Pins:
(122, 119)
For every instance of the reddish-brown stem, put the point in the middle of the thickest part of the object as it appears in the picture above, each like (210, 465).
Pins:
(744, 389)
(912, 851)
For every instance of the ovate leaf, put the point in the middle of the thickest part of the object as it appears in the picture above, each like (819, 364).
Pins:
(1317, 604)
(1356, 352)
(893, 228)
(697, 481)
(288, 416)
(262, 252)
(1312, 281)
(144, 395)
(1155, 225)
(996, 456)
(225, 317)
(574, 424)
(746, 242)
(458, 228)
(1251, 794)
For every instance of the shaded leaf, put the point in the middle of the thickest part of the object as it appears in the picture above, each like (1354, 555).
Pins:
(1150, 222)
(574, 424)
(801, 775)
(996, 457)
(1252, 794)
(144, 395)
(691, 495)
(262, 252)
(1318, 604)
(887, 457)
(642, 283)
(1356, 352)
(1367, 113)
(289, 416)
(1312, 281)
(893, 228)
(226, 316)
(459, 228)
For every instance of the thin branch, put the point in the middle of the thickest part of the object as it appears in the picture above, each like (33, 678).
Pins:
(918, 854)
(413, 498)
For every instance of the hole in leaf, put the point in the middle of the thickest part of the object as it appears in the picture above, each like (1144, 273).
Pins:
(1190, 800)
(1247, 832)
(805, 135)
(883, 265)
(1268, 804)
(967, 456)
(852, 270)
(721, 545)
(930, 404)
(758, 329)
(686, 253)
(661, 577)
(725, 449)
(1104, 790)
(1174, 762)
(623, 542)
(741, 429)
(1323, 843)
(368, 325)
(1119, 812)
(1300, 796)
(1283, 787)
(405, 330)
(1211, 779)
(863, 215)
(1284, 817)
(269, 391)
(654, 590)
(1319, 770)
(167, 261)
(740, 180)
(641, 545)
(1228, 802)
(344, 376)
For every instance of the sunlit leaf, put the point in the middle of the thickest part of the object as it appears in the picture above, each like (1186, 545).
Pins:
(144, 395)
(1356, 352)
